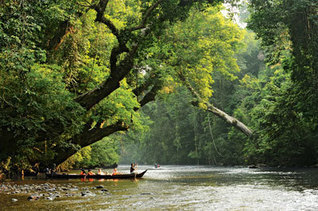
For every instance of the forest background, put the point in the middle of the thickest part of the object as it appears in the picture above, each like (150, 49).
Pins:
(76, 73)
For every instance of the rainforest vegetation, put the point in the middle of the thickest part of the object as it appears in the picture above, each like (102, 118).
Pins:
(87, 83)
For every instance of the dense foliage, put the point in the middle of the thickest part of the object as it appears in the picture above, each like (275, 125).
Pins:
(288, 127)
(182, 134)
(278, 101)
(104, 153)
(73, 72)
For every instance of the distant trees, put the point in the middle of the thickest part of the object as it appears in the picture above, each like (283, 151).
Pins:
(183, 134)
(278, 101)
(288, 120)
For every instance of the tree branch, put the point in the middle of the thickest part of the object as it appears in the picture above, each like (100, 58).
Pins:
(61, 32)
(143, 87)
(146, 16)
(98, 133)
(150, 96)
(227, 118)
(118, 72)
(87, 137)
(100, 9)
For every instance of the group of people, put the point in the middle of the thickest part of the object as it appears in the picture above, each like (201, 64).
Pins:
(100, 172)
(83, 172)
(133, 168)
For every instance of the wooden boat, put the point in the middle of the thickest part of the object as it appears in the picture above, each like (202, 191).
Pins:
(96, 176)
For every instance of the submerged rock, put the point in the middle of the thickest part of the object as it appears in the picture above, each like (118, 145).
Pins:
(146, 194)
(252, 166)
(99, 186)
(33, 198)
(69, 194)
(50, 198)
(87, 193)
(64, 188)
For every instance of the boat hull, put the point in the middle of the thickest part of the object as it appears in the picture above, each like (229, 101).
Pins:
(96, 176)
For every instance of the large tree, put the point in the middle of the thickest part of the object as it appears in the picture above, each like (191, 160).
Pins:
(73, 72)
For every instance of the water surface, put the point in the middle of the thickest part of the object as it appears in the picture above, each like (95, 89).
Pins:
(179, 188)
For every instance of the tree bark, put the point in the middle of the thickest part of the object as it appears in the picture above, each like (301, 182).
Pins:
(90, 135)
(118, 72)
(87, 137)
(227, 118)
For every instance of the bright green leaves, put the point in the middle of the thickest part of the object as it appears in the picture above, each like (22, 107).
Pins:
(102, 153)
(52, 52)
(118, 107)
(124, 13)
(204, 43)
(33, 109)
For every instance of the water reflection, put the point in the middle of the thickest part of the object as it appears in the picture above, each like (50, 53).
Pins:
(183, 187)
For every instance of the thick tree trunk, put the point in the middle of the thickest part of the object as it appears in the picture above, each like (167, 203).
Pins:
(90, 135)
(87, 137)
(91, 98)
(118, 72)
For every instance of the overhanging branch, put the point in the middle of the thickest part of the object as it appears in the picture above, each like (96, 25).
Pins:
(87, 137)
(227, 118)
(150, 96)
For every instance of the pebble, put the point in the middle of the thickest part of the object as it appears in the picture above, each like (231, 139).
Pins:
(99, 186)
(14, 200)
(87, 193)
(50, 198)
(33, 198)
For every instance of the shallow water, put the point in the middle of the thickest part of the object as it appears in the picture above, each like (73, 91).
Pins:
(179, 188)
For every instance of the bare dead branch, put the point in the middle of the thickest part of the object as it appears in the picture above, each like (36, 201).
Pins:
(211, 108)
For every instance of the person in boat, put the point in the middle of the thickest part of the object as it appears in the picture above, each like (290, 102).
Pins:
(115, 172)
(90, 172)
(83, 172)
(132, 168)
(100, 172)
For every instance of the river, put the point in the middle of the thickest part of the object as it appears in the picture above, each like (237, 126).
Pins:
(173, 188)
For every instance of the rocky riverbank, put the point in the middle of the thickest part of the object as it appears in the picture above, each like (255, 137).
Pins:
(48, 191)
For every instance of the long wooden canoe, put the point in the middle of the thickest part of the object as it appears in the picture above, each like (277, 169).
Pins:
(96, 176)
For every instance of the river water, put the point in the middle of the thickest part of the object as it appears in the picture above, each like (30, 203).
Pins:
(174, 188)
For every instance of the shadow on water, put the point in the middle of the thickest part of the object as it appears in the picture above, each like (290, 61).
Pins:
(172, 187)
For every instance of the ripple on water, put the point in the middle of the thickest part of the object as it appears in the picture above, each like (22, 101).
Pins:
(251, 197)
